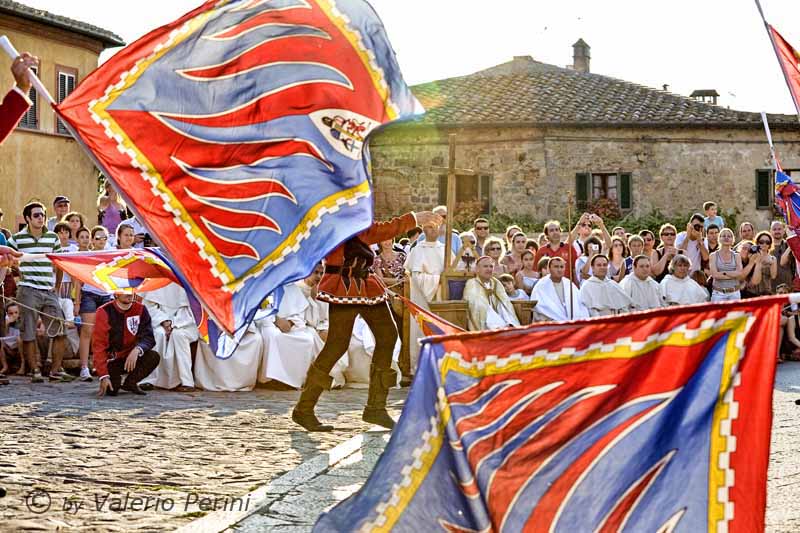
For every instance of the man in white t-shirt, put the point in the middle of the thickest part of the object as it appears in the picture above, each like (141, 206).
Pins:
(690, 242)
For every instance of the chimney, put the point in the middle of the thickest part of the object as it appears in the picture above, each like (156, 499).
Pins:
(581, 56)
(521, 64)
(708, 96)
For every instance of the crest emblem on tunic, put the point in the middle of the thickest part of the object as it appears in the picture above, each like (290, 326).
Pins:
(132, 323)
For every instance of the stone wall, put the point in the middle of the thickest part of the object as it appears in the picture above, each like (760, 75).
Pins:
(533, 170)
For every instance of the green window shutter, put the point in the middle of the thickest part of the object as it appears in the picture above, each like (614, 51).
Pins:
(582, 189)
(443, 189)
(625, 194)
(763, 189)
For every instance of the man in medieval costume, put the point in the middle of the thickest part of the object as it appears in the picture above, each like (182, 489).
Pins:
(351, 289)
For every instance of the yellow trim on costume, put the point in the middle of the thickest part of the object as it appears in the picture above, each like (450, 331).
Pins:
(432, 446)
(377, 76)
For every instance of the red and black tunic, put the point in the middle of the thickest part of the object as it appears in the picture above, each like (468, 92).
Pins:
(117, 332)
(348, 277)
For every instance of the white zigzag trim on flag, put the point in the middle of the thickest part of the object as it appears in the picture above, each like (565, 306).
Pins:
(723, 493)
(427, 438)
(572, 353)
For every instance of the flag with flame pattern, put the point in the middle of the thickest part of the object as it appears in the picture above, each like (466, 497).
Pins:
(237, 135)
(656, 421)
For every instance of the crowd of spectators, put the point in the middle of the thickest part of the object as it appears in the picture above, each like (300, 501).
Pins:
(38, 317)
(569, 273)
(704, 261)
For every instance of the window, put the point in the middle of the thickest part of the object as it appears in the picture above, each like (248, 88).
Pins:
(604, 186)
(30, 119)
(590, 187)
(764, 188)
(469, 189)
(66, 79)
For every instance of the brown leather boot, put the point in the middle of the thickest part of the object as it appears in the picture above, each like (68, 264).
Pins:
(380, 380)
(303, 413)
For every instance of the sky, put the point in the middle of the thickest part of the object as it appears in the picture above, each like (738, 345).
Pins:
(686, 44)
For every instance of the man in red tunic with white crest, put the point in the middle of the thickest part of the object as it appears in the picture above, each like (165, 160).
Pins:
(351, 289)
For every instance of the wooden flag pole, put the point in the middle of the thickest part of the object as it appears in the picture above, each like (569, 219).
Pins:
(571, 266)
(35, 81)
(451, 206)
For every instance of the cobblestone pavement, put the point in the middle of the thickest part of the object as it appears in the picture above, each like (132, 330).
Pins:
(189, 448)
(172, 451)
(296, 510)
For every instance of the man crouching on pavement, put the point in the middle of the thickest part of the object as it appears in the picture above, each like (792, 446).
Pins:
(123, 342)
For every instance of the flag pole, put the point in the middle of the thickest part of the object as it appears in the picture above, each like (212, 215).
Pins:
(769, 139)
(9, 49)
(571, 248)
(778, 57)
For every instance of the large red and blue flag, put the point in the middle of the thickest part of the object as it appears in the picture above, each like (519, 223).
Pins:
(237, 135)
(656, 421)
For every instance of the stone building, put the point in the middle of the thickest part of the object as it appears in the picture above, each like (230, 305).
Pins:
(537, 133)
(40, 159)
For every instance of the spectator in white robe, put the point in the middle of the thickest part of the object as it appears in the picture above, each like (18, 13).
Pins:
(175, 330)
(557, 298)
(643, 290)
(317, 311)
(602, 296)
(234, 367)
(678, 288)
(489, 306)
(291, 345)
(359, 355)
(425, 265)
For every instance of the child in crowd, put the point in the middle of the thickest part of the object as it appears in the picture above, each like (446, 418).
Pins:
(710, 209)
(10, 344)
(511, 289)
(527, 276)
(543, 267)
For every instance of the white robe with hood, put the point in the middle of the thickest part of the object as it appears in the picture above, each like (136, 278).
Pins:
(175, 368)
(604, 297)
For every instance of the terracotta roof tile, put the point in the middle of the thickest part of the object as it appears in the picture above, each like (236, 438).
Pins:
(525, 91)
(21, 10)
